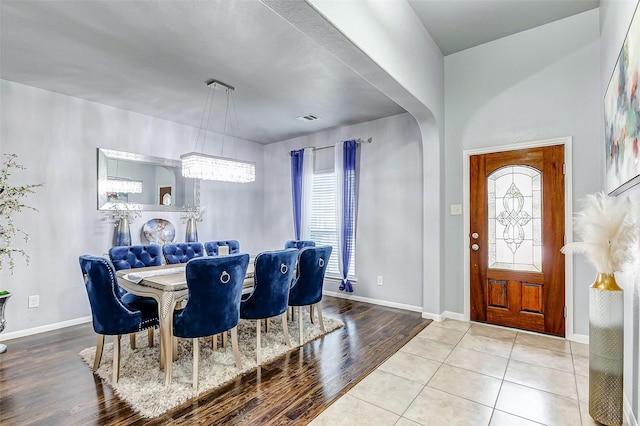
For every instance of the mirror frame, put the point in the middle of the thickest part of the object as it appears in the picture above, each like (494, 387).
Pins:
(104, 154)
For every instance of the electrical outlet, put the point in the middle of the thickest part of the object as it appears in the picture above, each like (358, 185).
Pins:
(34, 301)
(380, 281)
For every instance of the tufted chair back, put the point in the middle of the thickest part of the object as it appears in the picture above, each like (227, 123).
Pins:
(299, 244)
(306, 288)
(182, 252)
(127, 257)
(212, 246)
(111, 314)
(273, 271)
(114, 311)
(215, 287)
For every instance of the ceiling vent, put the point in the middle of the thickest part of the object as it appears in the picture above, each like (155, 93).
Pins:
(308, 117)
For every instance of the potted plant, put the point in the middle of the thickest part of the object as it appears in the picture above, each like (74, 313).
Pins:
(11, 204)
(608, 230)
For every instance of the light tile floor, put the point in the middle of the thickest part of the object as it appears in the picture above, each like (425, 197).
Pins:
(459, 373)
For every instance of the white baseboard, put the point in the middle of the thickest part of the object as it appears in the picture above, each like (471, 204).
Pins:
(579, 338)
(435, 317)
(453, 315)
(63, 324)
(44, 328)
(352, 296)
(443, 316)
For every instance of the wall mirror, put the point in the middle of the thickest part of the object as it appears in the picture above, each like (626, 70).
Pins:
(149, 183)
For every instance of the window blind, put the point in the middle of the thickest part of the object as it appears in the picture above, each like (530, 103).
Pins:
(323, 226)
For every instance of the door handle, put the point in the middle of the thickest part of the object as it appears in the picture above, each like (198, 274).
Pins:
(475, 247)
(474, 235)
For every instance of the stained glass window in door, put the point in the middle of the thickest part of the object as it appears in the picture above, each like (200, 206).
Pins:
(515, 218)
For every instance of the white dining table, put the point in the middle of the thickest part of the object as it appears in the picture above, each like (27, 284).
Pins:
(167, 284)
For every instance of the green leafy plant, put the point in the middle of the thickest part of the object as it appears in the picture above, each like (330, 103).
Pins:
(11, 204)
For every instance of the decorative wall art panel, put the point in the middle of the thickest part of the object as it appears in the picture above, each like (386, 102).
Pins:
(622, 115)
(159, 231)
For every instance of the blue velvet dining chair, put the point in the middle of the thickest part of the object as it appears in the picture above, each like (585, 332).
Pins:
(182, 252)
(306, 287)
(139, 256)
(215, 288)
(298, 244)
(273, 271)
(213, 247)
(132, 257)
(114, 313)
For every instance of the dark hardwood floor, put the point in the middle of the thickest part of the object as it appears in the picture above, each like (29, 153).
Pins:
(43, 380)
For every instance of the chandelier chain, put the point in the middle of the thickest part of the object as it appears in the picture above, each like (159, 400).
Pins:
(226, 119)
(235, 113)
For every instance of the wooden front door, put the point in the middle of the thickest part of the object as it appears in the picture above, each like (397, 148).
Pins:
(516, 232)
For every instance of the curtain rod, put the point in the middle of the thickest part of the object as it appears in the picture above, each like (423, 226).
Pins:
(358, 141)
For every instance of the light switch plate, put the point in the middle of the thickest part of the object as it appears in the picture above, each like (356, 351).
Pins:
(34, 301)
(456, 209)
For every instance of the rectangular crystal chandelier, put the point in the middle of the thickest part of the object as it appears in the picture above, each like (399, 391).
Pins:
(123, 185)
(209, 167)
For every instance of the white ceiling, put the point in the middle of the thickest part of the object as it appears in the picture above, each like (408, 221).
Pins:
(153, 57)
(456, 25)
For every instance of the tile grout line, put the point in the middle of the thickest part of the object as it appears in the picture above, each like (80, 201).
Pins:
(502, 379)
(504, 375)
(575, 379)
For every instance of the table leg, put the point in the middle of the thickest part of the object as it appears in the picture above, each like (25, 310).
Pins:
(174, 347)
(161, 351)
(165, 309)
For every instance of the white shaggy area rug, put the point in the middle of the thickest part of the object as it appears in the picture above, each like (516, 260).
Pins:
(141, 381)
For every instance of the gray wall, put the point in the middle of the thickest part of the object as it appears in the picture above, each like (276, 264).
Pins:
(404, 63)
(55, 138)
(389, 222)
(537, 84)
(61, 152)
(615, 17)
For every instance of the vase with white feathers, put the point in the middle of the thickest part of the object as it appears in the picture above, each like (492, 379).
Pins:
(608, 229)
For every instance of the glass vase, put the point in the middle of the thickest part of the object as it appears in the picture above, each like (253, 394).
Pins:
(192, 231)
(122, 234)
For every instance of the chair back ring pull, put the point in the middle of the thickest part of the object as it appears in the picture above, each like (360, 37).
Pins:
(225, 277)
(283, 269)
(321, 262)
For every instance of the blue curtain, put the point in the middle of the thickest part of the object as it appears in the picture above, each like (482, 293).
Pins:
(347, 231)
(297, 158)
